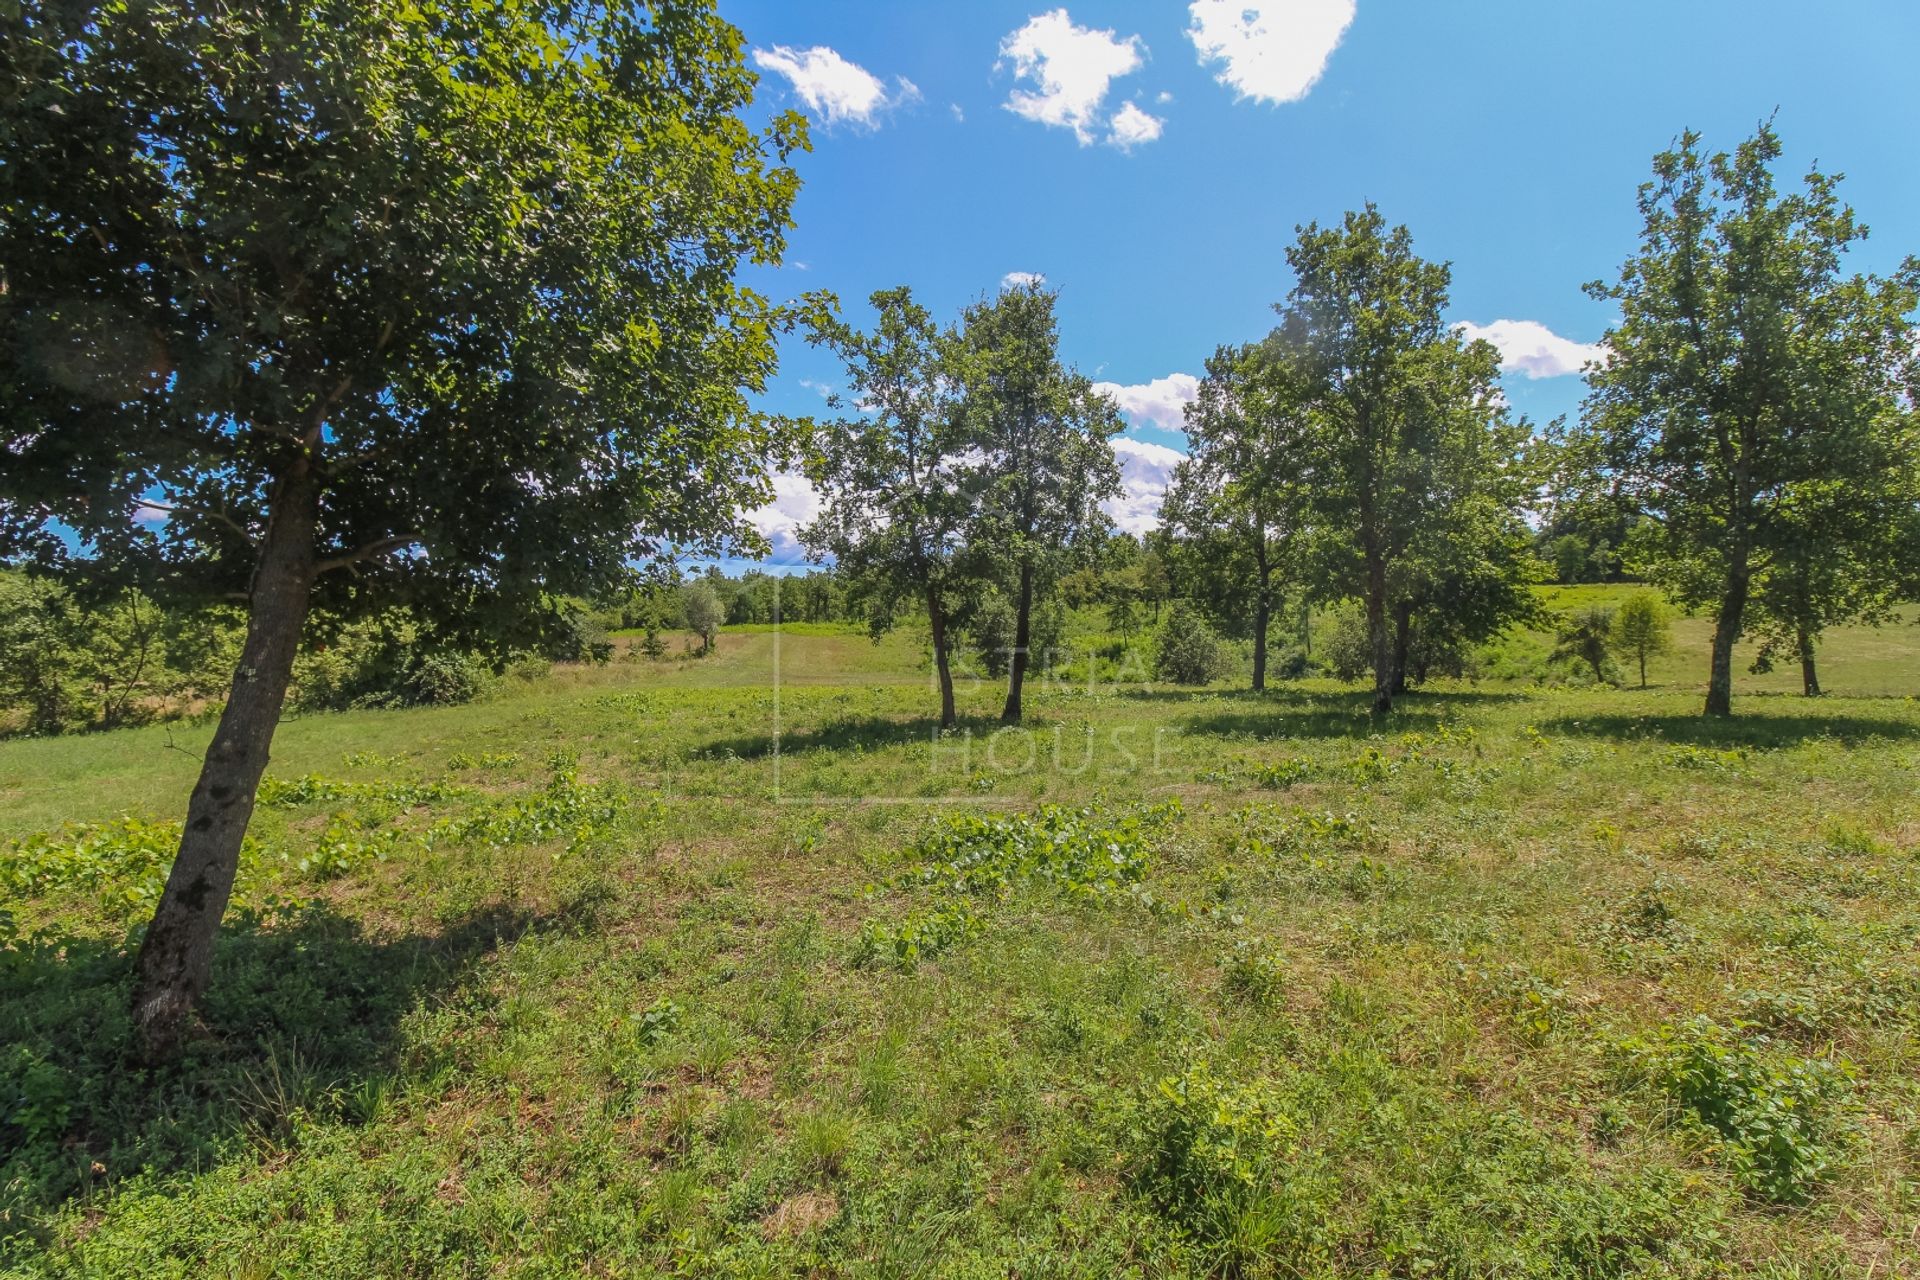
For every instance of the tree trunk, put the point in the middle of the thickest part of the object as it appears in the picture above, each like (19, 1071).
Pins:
(1377, 633)
(1402, 644)
(937, 621)
(176, 958)
(1262, 607)
(1809, 678)
(1726, 630)
(1643, 668)
(1022, 634)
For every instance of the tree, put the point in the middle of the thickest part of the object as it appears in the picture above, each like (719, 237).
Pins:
(1038, 433)
(700, 605)
(1642, 629)
(892, 513)
(1749, 382)
(1387, 391)
(1586, 635)
(373, 301)
(1238, 496)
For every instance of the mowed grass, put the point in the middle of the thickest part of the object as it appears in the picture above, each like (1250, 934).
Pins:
(635, 972)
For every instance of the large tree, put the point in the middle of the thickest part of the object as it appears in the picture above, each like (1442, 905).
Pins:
(1402, 418)
(1238, 500)
(892, 512)
(1040, 461)
(372, 300)
(1745, 403)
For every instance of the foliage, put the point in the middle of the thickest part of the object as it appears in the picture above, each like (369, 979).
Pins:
(1642, 629)
(703, 613)
(1773, 1111)
(1753, 401)
(1036, 433)
(1237, 503)
(1420, 475)
(893, 511)
(1221, 1160)
(1587, 636)
(1187, 651)
(405, 302)
(67, 662)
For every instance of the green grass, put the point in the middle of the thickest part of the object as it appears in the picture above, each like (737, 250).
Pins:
(587, 979)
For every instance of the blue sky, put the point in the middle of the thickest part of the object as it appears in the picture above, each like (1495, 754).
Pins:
(1151, 160)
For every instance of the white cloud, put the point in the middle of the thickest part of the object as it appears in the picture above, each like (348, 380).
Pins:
(1146, 469)
(1159, 403)
(795, 502)
(1271, 50)
(1529, 348)
(959, 112)
(1021, 279)
(837, 90)
(1131, 126)
(1072, 68)
(1164, 97)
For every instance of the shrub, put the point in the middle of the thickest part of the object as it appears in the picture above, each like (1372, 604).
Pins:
(1772, 1112)
(1586, 637)
(1189, 652)
(1291, 663)
(445, 679)
(1220, 1160)
(1348, 649)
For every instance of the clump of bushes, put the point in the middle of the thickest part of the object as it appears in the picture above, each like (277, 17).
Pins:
(1771, 1114)
(1221, 1161)
(1189, 652)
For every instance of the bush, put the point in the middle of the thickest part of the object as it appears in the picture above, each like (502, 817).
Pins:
(1189, 651)
(1349, 650)
(445, 679)
(1586, 637)
(1291, 663)
(1772, 1111)
(1221, 1161)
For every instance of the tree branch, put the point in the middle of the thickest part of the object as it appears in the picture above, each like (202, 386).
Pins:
(378, 547)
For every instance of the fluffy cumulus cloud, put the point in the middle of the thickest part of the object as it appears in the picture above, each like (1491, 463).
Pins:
(1131, 126)
(1021, 279)
(1070, 69)
(1529, 348)
(835, 90)
(1269, 50)
(1160, 403)
(1146, 469)
(795, 502)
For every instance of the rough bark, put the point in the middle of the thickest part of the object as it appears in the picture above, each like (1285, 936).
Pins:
(937, 623)
(176, 957)
(1726, 630)
(1402, 644)
(1262, 611)
(1378, 634)
(1022, 636)
(1809, 677)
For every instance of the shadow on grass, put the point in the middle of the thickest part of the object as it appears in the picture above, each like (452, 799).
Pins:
(1750, 730)
(303, 1016)
(864, 733)
(1336, 715)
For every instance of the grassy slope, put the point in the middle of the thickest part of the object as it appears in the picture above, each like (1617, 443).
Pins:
(563, 1037)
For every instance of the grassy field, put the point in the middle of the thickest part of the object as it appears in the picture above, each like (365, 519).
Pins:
(653, 970)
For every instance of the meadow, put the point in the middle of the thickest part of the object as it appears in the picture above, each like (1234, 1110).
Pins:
(670, 968)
